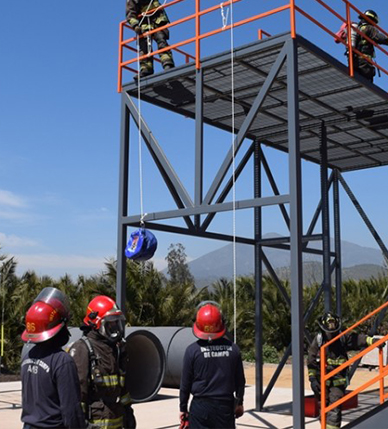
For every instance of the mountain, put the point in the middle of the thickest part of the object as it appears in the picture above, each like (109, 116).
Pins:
(356, 260)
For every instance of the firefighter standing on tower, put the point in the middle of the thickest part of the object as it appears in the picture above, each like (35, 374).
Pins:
(213, 373)
(153, 18)
(50, 385)
(101, 361)
(336, 355)
(361, 64)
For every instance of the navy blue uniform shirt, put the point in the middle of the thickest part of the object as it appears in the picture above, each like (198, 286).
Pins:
(212, 370)
(50, 389)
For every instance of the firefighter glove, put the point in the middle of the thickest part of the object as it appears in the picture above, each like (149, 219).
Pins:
(184, 418)
(239, 411)
(138, 30)
(129, 418)
(375, 339)
(315, 386)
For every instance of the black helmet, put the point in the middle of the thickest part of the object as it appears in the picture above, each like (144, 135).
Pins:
(330, 323)
(371, 14)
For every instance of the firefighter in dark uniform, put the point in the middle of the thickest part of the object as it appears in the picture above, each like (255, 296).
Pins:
(50, 385)
(361, 64)
(101, 361)
(213, 373)
(336, 355)
(156, 18)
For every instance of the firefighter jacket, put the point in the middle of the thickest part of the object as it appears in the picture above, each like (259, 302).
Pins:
(212, 371)
(50, 389)
(156, 19)
(336, 355)
(104, 396)
(364, 45)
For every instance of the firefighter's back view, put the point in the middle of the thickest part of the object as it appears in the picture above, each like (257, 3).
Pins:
(50, 386)
(212, 373)
(101, 361)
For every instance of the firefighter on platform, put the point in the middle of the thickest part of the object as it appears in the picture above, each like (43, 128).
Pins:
(336, 355)
(101, 361)
(213, 373)
(361, 64)
(153, 18)
(50, 385)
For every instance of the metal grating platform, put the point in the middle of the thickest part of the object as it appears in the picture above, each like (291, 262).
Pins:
(355, 112)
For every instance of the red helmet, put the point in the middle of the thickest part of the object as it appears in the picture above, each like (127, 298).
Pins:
(48, 314)
(104, 316)
(209, 323)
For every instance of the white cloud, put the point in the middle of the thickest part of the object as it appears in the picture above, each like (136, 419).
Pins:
(9, 199)
(59, 265)
(13, 241)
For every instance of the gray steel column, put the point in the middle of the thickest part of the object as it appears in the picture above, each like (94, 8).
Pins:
(123, 205)
(337, 245)
(296, 233)
(325, 218)
(198, 184)
(258, 279)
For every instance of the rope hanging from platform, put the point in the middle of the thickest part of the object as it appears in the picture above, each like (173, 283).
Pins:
(224, 24)
(142, 243)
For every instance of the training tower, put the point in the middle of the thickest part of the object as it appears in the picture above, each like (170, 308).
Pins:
(289, 94)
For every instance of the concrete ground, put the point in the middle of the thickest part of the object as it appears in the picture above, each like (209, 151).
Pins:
(162, 412)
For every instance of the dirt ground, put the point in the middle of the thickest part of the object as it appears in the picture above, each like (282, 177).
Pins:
(361, 376)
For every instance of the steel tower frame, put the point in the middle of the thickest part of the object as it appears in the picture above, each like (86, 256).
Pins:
(213, 202)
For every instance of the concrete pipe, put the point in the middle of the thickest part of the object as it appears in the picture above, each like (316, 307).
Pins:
(174, 341)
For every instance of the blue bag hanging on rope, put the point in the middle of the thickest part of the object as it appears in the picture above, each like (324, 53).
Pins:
(141, 245)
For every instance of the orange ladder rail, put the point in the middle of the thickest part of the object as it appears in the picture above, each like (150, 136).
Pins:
(383, 370)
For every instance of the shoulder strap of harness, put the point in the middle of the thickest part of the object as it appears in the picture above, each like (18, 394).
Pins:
(320, 339)
(92, 355)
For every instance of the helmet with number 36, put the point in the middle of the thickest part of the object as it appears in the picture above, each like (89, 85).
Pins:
(48, 314)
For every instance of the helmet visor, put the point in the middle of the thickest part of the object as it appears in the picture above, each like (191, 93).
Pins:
(56, 299)
(330, 323)
(112, 327)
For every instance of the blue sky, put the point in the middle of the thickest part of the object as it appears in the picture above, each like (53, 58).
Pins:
(59, 136)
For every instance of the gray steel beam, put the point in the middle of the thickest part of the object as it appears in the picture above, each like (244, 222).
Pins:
(306, 250)
(280, 240)
(257, 104)
(123, 206)
(221, 198)
(363, 215)
(296, 232)
(175, 186)
(318, 210)
(274, 187)
(257, 185)
(196, 233)
(337, 245)
(198, 178)
(213, 208)
(325, 218)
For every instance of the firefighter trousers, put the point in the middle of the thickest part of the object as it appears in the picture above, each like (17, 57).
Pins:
(206, 413)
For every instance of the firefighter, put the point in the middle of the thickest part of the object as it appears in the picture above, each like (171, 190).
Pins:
(213, 373)
(336, 355)
(101, 360)
(361, 64)
(141, 24)
(50, 385)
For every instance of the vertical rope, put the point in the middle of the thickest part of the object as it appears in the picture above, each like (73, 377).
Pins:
(233, 175)
(139, 136)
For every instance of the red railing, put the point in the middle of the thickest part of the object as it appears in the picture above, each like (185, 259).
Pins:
(291, 6)
(383, 369)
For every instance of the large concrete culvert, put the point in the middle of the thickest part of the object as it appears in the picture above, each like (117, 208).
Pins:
(174, 341)
(147, 365)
